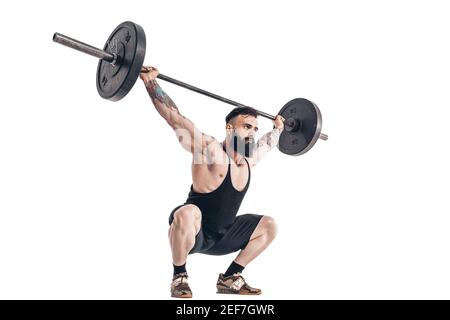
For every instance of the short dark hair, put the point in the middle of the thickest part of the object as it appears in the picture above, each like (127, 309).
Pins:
(241, 110)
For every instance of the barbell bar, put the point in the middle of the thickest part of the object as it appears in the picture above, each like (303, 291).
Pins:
(121, 62)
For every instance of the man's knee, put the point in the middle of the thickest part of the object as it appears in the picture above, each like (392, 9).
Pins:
(186, 216)
(269, 226)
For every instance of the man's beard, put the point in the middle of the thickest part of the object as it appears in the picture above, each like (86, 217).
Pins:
(244, 147)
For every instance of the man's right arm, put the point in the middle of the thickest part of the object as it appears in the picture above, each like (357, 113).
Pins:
(192, 139)
(164, 105)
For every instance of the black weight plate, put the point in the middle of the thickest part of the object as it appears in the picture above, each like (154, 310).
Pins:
(299, 141)
(128, 42)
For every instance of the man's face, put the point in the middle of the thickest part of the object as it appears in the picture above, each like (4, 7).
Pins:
(244, 128)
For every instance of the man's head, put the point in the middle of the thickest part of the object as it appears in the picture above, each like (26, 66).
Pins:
(241, 127)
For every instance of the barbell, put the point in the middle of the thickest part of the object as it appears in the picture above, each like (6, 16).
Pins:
(121, 62)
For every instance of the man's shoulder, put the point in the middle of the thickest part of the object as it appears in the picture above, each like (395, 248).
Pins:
(210, 143)
(209, 139)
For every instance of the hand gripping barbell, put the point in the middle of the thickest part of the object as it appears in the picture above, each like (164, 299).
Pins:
(121, 62)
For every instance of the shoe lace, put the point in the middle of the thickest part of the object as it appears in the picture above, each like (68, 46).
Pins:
(180, 278)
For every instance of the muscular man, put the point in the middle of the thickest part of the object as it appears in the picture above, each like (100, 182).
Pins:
(207, 222)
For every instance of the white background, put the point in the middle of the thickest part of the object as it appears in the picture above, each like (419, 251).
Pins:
(86, 185)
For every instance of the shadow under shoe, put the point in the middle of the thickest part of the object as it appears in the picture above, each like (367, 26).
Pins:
(180, 287)
(235, 284)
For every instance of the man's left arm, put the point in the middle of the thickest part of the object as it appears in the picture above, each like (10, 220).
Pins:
(269, 140)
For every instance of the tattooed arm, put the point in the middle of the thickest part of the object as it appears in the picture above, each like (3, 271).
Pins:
(165, 106)
(268, 141)
(192, 139)
(265, 144)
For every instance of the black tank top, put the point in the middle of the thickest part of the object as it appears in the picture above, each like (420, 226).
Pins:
(219, 207)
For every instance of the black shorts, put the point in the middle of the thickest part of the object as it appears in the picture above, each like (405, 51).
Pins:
(235, 238)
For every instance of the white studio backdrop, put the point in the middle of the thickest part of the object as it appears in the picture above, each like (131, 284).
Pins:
(86, 185)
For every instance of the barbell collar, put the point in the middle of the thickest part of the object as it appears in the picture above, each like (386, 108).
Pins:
(292, 125)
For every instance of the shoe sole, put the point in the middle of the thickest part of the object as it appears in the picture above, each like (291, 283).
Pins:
(229, 291)
(184, 296)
